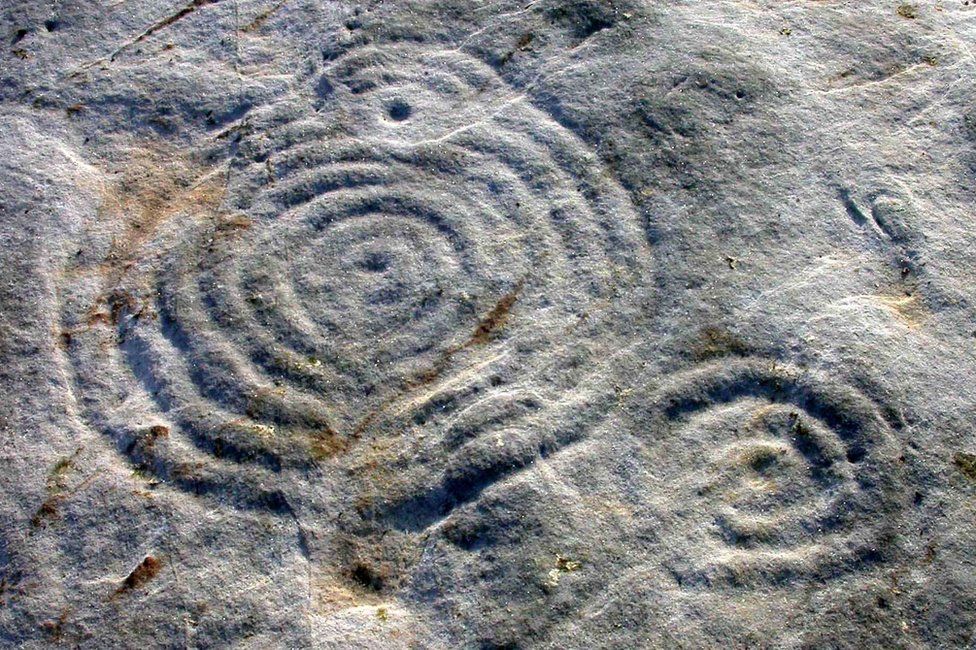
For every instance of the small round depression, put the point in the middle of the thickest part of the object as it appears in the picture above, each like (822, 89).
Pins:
(375, 262)
(399, 110)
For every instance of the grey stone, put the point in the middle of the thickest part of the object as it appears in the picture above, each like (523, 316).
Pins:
(466, 324)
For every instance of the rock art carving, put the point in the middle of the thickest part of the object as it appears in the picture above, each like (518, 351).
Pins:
(738, 476)
(776, 473)
(425, 222)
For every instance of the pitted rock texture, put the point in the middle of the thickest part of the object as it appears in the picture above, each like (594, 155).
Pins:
(491, 325)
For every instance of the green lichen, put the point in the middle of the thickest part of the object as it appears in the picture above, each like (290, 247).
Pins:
(965, 463)
(908, 11)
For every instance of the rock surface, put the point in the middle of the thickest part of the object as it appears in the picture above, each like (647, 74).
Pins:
(485, 324)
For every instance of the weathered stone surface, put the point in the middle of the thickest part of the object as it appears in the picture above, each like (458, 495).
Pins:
(467, 324)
